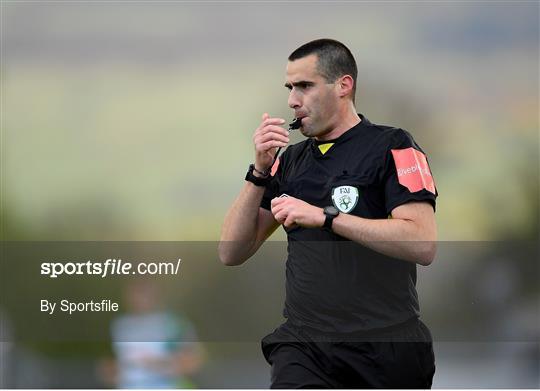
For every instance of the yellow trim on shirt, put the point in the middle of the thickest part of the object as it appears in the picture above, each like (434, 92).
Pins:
(325, 147)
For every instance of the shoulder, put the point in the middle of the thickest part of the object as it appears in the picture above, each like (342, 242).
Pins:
(390, 137)
(392, 142)
(388, 141)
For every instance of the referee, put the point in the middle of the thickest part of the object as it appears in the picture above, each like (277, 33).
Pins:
(357, 202)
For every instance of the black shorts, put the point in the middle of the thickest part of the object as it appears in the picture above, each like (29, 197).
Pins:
(397, 357)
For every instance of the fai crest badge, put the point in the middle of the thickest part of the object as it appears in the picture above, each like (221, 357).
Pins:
(345, 198)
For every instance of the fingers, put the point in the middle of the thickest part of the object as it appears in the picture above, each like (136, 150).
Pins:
(278, 210)
(266, 116)
(280, 217)
(278, 201)
(284, 214)
(275, 209)
(269, 127)
(289, 221)
(292, 212)
(273, 132)
(267, 120)
(283, 210)
(269, 135)
(265, 147)
(264, 141)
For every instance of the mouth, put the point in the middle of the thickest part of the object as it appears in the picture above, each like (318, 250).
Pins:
(301, 117)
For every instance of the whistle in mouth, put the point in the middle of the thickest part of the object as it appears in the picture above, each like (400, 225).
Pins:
(297, 122)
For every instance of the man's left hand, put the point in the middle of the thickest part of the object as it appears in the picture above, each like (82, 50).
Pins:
(291, 211)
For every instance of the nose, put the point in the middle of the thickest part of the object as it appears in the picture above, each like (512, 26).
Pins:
(293, 101)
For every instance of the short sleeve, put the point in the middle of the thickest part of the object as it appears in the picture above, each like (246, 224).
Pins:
(407, 173)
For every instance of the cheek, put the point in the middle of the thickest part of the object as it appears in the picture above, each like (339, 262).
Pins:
(317, 108)
(324, 109)
(325, 102)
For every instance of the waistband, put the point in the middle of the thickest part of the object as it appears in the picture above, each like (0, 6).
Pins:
(411, 330)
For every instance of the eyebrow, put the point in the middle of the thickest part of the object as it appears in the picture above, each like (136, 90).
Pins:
(302, 83)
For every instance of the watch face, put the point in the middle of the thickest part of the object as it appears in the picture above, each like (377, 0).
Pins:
(331, 210)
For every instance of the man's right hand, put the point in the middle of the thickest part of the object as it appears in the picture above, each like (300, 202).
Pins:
(269, 136)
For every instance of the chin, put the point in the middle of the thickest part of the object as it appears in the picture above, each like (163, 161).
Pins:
(306, 132)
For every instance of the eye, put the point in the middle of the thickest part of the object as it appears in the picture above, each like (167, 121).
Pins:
(301, 86)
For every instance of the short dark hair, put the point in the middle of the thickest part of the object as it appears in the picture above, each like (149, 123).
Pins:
(334, 59)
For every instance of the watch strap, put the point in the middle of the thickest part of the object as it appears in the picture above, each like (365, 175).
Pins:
(257, 181)
(329, 219)
(330, 214)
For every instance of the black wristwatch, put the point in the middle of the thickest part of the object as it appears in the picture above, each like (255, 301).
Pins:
(331, 213)
(257, 180)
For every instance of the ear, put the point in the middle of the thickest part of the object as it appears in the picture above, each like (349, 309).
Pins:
(345, 85)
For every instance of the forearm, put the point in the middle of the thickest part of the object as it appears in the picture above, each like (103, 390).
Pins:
(399, 238)
(239, 230)
(246, 225)
(410, 234)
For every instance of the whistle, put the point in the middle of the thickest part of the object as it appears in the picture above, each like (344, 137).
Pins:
(295, 124)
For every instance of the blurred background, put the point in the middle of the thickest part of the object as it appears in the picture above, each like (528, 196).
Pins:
(132, 121)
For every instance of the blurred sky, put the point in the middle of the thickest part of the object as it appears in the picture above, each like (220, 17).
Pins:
(133, 120)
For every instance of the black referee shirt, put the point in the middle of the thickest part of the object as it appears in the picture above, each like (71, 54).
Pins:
(332, 283)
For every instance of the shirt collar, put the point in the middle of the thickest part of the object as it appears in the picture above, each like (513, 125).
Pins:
(345, 136)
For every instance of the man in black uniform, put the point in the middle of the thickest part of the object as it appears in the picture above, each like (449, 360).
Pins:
(357, 202)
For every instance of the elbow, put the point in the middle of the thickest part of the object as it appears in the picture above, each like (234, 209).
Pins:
(426, 253)
(227, 256)
(228, 261)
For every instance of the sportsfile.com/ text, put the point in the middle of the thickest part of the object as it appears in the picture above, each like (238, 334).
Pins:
(110, 267)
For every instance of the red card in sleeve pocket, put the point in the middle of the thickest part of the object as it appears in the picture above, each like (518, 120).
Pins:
(412, 170)
(274, 167)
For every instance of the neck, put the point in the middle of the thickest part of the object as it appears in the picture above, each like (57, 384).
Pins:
(345, 119)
